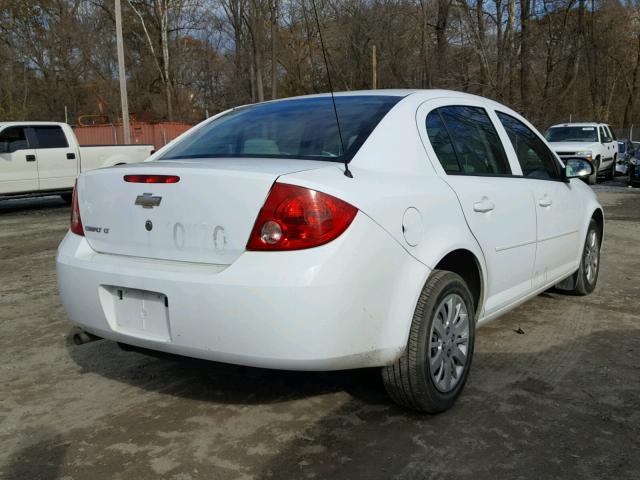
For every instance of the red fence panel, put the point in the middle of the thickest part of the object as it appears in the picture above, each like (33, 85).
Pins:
(158, 134)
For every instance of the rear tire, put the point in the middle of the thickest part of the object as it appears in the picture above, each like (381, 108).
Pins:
(611, 173)
(434, 367)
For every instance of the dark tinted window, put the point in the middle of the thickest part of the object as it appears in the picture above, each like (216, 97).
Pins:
(474, 141)
(298, 128)
(622, 147)
(441, 142)
(13, 139)
(50, 137)
(572, 134)
(535, 159)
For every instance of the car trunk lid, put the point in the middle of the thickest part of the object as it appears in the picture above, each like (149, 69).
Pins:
(205, 217)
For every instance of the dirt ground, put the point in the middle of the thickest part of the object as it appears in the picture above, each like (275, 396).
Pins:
(561, 400)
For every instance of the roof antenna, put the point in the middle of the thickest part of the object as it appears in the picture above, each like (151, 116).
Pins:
(347, 172)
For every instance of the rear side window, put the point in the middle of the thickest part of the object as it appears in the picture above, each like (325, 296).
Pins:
(50, 137)
(303, 128)
(441, 143)
(465, 141)
(535, 159)
(13, 139)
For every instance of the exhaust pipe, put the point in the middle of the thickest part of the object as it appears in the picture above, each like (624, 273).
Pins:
(81, 337)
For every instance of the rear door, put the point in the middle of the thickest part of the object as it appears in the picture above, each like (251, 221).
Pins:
(557, 205)
(57, 162)
(18, 162)
(468, 154)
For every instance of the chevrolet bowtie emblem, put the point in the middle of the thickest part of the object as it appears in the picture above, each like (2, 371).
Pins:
(148, 200)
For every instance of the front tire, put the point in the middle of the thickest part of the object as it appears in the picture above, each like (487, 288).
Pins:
(586, 277)
(593, 178)
(432, 371)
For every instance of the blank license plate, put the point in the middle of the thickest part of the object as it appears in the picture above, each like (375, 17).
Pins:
(141, 313)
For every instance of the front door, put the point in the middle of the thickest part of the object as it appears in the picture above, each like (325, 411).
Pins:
(18, 162)
(557, 210)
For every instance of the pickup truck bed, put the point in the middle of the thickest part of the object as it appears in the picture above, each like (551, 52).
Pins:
(44, 158)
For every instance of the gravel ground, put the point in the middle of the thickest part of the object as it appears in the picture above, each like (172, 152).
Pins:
(561, 400)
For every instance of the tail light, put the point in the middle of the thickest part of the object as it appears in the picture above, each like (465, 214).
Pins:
(76, 221)
(151, 178)
(294, 218)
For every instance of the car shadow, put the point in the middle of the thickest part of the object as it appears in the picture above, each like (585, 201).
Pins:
(218, 382)
(17, 205)
(569, 411)
(536, 407)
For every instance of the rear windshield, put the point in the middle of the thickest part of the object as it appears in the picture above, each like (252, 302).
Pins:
(302, 128)
(572, 134)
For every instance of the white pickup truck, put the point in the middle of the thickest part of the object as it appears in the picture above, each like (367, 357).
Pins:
(44, 158)
(592, 141)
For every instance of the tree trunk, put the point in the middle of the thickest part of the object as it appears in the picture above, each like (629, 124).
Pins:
(274, 63)
(630, 106)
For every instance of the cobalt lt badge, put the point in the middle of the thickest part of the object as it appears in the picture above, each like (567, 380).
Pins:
(148, 225)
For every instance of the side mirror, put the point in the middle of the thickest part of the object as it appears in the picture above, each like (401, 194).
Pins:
(577, 168)
(607, 139)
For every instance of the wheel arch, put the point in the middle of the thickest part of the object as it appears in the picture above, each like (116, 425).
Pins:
(598, 216)
(466, 264)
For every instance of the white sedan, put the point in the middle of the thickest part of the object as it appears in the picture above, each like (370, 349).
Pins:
(274, 236)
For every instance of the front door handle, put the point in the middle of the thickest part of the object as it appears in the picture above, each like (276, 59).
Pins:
(31, 158)
(483, 206)
(545, 202)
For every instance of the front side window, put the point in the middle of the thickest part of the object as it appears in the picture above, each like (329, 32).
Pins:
(303, 128)
(13, 139)
(572, 134)
(535, 159)
(603, 134)
(465, 141)
(50, 137)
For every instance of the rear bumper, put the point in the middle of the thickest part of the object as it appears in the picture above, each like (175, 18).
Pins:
(346, 304)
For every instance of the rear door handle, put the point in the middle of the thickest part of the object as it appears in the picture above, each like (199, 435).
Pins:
(483, 206)
(545, 202)
(31, 158)
(71, 156)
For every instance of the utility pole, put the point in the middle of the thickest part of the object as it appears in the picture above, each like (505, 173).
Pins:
(374, 68)
(122, 74)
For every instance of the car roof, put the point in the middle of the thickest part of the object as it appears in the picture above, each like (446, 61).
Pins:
(17, 124)
(425, 94)
(580, 124)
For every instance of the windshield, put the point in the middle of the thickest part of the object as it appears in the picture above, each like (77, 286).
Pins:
(572, 134)
(302, 128)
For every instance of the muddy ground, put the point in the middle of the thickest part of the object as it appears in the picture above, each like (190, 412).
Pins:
(561, 400)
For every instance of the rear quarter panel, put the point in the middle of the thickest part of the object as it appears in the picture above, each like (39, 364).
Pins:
(392, 174)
